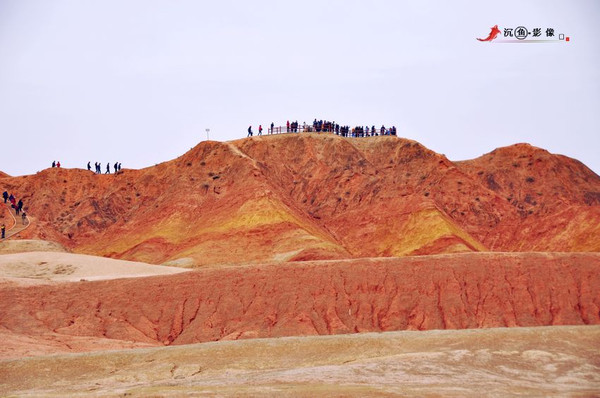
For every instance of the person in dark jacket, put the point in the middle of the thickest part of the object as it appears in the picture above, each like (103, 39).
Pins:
(5, 196)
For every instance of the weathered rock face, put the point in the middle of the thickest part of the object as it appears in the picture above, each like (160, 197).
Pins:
(471, 290)
(307, 196)
(556, 198)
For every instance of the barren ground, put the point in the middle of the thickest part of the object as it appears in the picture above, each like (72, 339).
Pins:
(540, 361)
(544, 361)
(45, 267)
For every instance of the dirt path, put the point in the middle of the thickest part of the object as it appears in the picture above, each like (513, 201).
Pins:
(17, 225)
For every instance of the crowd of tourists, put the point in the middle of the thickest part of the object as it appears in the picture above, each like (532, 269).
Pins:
(98, 167)
(17, 206)
(325, 126)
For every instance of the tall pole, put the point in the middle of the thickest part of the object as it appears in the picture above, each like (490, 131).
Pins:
(207, 131)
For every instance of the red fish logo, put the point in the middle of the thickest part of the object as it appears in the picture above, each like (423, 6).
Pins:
(492, 34)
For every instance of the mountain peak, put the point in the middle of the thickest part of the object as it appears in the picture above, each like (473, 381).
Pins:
(317, 196)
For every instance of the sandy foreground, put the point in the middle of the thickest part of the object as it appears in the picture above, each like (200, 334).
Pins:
(46, 267)
(544, 361)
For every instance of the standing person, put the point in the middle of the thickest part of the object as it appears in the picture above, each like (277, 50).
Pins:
(260, 129)
(20, 205)
(288, 126)
(54, 163)
(98, 171)
(3, 229)
(119, 166)
(5, 196)
(116, 166)
(107, 168)
(58, 163)
(272, 125)
(89, 166)
(250, 131)
(11, 199)
(24, 218)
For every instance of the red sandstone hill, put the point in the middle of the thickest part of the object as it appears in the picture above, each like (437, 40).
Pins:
(459, 291)
(309, 196)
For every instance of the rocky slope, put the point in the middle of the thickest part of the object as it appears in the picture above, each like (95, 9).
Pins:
(546, 191)
(459, 291)
(308, 196)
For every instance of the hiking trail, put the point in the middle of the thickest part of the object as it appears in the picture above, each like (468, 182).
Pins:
(17, 226)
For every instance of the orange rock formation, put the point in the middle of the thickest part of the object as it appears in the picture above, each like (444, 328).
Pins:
(472, 290)
(309, 196)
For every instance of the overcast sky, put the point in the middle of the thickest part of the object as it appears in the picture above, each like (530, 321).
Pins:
(139, 81)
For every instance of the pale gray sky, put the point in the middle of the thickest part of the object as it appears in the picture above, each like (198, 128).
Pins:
(139, 81)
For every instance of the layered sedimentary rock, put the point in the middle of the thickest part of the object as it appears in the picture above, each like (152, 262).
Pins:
(471, 290)
(308, 196)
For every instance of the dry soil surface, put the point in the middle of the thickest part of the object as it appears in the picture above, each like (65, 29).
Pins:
(29, 245)
(543, 361)
(46, 267)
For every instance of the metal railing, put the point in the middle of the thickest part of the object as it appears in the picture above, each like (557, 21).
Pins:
(330, 130)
